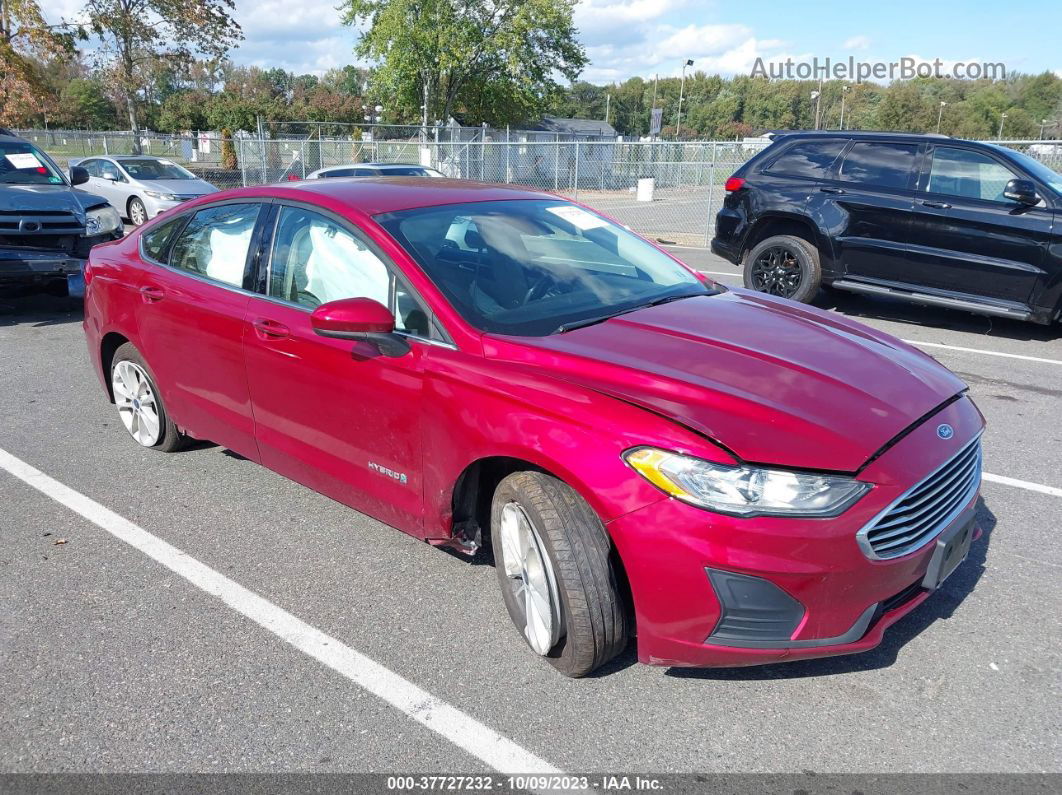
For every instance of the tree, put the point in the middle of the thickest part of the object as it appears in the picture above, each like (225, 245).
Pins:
(25, 40)
(138, 35)
(496, 60)
(82, 103)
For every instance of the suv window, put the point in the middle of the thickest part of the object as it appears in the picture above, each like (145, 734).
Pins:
(315, 260)
(215, 242)
(806, 159)
(881, 164)
(154, 240)
(962, 172)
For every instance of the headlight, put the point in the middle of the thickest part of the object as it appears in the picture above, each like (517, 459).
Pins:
(745, 490)
(166, 197)
(101, 221)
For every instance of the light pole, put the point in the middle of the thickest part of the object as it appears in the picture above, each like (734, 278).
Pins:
(608, 101)
(940, 115)
(844, 91)
(1043, 123)
(1002, 118)
(682, 90)
(815, 98)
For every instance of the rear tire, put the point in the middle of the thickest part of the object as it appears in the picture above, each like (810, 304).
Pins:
(568, 545)
(784, 265)
(139, 403)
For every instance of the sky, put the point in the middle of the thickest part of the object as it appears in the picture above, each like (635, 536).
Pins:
(624, 38)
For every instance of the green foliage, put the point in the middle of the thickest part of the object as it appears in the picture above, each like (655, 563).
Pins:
(82, 103)
(492, 61)
(228, 150)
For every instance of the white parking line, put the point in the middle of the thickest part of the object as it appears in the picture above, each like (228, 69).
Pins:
(464, 731)
(921, 344)
(722, 273)
(1022, 484)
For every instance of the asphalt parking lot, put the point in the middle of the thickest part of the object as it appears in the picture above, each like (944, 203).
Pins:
(113, 660)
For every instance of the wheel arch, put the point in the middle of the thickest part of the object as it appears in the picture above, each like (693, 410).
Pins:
(781, 224)
(109, 344)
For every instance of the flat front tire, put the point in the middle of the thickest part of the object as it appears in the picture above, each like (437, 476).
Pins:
(784, 265)
(552, 556)
(139, 403)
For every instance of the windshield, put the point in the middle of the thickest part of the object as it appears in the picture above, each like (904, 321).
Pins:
(1038, 169)
(22, 163)
(535, 267)
(154, 169)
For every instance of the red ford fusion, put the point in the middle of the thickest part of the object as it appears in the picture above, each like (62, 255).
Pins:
(729, 477)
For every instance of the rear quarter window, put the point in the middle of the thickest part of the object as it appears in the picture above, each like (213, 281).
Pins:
(806, 159)
(881, 164)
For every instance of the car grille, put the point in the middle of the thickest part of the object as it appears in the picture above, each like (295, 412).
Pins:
(183, 197)
(39, 222)
(920, 514)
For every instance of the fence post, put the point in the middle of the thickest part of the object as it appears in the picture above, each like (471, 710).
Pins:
(243, 163)
(506, 154)
(711, 190)
(556, 165)
(576, 175)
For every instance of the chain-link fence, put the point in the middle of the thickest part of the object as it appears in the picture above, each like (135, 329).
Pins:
(666, 190)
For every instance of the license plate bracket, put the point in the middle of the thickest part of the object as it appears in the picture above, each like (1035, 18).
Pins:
(950, 550)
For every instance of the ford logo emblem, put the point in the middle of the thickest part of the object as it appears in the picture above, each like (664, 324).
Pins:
(945, 431)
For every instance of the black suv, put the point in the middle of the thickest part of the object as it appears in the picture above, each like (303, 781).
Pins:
(927, 218)
(47, 226)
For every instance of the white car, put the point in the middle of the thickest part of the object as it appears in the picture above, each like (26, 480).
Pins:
(140, 187)
(375, 170)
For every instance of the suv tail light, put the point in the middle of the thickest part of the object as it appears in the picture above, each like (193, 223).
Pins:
(733, 184)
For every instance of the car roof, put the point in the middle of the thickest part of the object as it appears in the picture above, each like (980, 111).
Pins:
(376, 195)
(375, 165)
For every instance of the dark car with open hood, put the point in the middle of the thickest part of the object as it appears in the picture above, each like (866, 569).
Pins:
(47, 225)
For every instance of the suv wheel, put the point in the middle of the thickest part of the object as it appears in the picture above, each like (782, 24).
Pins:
(552, 558)
(784, 265)
(140, 404)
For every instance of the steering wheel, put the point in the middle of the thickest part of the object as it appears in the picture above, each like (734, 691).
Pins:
(540, 288)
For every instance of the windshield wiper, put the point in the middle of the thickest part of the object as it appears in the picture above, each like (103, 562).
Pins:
(590, 321)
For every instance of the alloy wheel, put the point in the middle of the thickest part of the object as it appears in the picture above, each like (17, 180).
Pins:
(137, 404)
(137, 213)
(776, 271)
(530, 575)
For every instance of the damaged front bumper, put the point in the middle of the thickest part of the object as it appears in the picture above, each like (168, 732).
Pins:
(25, 271)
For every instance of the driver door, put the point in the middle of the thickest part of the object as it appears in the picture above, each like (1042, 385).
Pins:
(336, 415)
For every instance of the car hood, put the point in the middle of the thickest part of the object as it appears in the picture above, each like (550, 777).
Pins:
(772, 381)
(35, 198)
(179, 187)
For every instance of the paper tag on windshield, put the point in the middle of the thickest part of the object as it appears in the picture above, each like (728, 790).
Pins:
(24, 160)
(577, 216)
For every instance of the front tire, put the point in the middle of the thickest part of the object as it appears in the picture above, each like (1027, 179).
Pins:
(139, 403)
(137, 212)
(557, 581)
(784, 265)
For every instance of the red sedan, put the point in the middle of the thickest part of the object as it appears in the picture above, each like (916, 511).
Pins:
(732, 477)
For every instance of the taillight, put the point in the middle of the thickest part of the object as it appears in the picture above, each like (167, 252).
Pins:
(294, 178)
(733, 184)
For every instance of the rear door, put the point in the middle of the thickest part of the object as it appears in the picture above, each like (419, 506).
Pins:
(869, 201)
(191, 323)
(967, 237)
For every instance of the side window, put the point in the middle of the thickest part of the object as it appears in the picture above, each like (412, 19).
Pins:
(315, 260)
(961, 172)
(154, 240)
(806, 159)
(339, 172)
(215, 242)
(91, 166)
(883, 165)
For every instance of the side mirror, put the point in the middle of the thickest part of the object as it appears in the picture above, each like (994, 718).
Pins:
(359, 319)
(110, 174)
(1022, 191)
(78, 175)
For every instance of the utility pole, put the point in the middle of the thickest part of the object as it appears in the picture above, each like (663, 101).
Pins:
(682, 90)
(656, 79)
(1043, 123)
(608, 101)
(940, 114)
(818, 105)
(1002, 119)
(844, 91)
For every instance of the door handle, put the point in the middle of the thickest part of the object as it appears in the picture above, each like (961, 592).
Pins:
(270, 329)
(935, 205)
(832, 190)
(151, 295)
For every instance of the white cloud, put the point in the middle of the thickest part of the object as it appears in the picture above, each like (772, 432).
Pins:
(856, 43)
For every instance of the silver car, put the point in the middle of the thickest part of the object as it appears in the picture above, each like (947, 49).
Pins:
(140, 187)
(374, 170)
